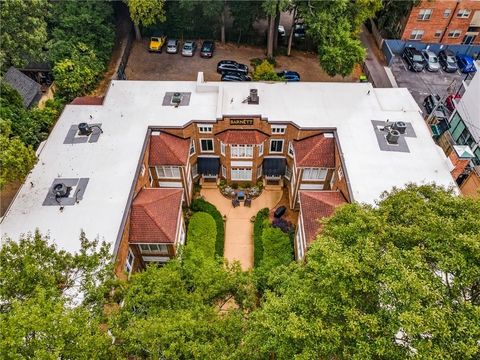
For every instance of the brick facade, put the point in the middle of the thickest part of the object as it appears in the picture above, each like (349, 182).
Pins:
(441, 22)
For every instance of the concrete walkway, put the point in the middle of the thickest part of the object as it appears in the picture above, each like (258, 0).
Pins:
(238, 228)
(373, 63)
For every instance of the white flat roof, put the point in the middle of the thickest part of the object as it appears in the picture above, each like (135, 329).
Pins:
(131, 106)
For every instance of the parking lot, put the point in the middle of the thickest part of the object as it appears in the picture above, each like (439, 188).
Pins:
(424, 83)
(143, 65)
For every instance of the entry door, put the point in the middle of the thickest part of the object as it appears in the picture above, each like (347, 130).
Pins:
(468, 39)
(241, 174)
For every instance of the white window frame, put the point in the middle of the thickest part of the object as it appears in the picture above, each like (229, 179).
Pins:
(288, 173)
(205, 128)
(222, 148)
(278, 129)
(194, 170)
(314, 174)
(260, 149)
(454, 34)
(291, 153)
(270, 148)
(463, 13)
(236, 174)
(447, 13)
(241, 151)
(438, 33)
(128, 264)
(207, 151)
(259, 170)
(424, 14)
(153, 248)
(150, 177)
(224, 171)
(142, 172)
(168, 172)
(417, 34)
(192, 147)
(340, 173)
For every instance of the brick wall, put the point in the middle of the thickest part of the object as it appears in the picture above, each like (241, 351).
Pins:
(439, 21)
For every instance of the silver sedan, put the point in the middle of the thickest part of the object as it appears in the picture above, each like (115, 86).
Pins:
(431, 60)
(189, 48)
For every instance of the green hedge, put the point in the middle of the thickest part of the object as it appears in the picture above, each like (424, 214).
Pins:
(202, 205)
(258, 226)
(277, 248)
(201, 233)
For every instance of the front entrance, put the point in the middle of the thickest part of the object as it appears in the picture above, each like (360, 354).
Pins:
(241, 174)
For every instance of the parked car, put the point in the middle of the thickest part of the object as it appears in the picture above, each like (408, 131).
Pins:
(280, 211)
(207, 48)
(231, 66)
(234, 76)
(156, 43)
(189, 48)
(450, 103)
(281, 31)
(172, 46)
(448, 61)
(414, 59)
(430, 102)
(289, 76)
(431, 60)
(299, 31)
(466, 64)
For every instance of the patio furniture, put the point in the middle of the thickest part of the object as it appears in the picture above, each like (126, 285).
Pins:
(235, 203)
(241, 196)
(247, 202)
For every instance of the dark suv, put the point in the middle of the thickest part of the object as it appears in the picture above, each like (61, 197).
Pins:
(207, 49)
(447, 61)
(414, 59)
(231, 66)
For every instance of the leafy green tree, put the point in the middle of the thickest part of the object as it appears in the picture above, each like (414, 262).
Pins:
(146, 12)
(392, 14)
(387, 282)
(334, 27)
(265, 72)
(245, 14)
(24, 32)
(272, 9)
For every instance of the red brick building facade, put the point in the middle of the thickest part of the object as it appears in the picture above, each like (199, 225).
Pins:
(446, 22)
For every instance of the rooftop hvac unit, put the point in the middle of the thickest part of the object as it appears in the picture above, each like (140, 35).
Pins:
(253, 98)
(400, 126)
(84, 129)
(393, 136)
(60, 190)
(176, 98)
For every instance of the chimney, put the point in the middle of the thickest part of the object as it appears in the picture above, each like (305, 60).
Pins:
(460, 158)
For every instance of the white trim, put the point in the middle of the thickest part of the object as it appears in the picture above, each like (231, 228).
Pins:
(194, 173)
(241, 163)
(270, 147)
(169, 167)
(205, 128)
(170, 184)
(278, 129)
(207, 139)
(192, 146)
(150, 177)
(142, 172)
(160, 259)
(224, 171)
(311, 171)
(290, 151)
(128, 266)
(311, 186)
(153, 245)
(236, 150)
(241, 174)
(222, 148)
(259, 171)
(260, 149)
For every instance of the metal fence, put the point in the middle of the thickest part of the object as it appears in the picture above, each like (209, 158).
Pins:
(391, 47)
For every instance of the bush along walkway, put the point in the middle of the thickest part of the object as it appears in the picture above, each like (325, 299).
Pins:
(204, 206)
(202, 233)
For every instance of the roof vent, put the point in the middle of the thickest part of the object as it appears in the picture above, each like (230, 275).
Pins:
(61, 190)
(400, 126)
(84, 129)
(253, 98)
(176, 98)
(393, 136)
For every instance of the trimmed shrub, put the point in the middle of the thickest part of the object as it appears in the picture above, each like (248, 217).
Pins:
(282, 224)
(277, 248)
(266, 72)
(258, 226)
(205, 206)
(202, 233)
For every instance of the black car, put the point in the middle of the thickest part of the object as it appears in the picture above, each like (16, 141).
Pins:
(233, 76)
(231, 66)
(447, 60)
(207, 49)
(414, 59)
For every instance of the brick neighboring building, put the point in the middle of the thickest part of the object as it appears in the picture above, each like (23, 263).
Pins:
(447, 22)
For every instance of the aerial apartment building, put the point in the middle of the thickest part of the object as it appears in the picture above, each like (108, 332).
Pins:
(122, 168)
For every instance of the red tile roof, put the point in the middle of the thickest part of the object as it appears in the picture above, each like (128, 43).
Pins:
(88, 100)
(154, 216)
(242, 137)
(316, 205)
(315, 151)
(166, 149)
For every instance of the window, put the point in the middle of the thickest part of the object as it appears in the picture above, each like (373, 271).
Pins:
(416, 35)
(276, 146)
(129, 262)
(260, 149)
(153, 248)
(314, 174)
(290, 149)
(259, 171)
(447, 13)
(206, 145)
(454, 34)
(192, 147)
(424, 14)
(241, 151)
(288, 173)
(205, 129)
(142, 172)
(340, 173)
(241, 174)
(224, 171)
(168, 172)
(438, 33)
(222, 148)
(476, 159)
(150, 177)
(278, 129)
(463, 13)
(195, 170)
